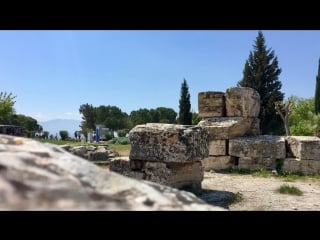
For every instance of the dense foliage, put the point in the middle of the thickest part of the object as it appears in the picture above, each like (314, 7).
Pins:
(303, 120)
(185, 116)
(261, 72)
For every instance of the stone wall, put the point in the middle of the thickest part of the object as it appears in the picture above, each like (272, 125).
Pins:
(169, 154)
(232, 122)
(226, 116)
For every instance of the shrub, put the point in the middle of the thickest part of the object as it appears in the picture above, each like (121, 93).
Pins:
(64, 134)
(122, 132)
(108, 135)
(286, 189)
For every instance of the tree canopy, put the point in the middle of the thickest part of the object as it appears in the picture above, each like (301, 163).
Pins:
(6, 107)
(185, 115)
(261, 72)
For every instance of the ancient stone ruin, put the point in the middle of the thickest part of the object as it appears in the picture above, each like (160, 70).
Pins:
(226, 116)
(169, 154)
(234, 141)
(227, 136)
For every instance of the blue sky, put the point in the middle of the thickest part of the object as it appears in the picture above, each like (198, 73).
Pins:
(53, 72)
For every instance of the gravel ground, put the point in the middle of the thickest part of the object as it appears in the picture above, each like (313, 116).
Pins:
(258, 193)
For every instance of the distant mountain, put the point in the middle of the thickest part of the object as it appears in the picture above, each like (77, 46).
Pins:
(55, 126)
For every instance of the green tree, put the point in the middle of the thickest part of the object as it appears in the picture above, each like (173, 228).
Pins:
(185, 116)
(111, 117)
(303, 121)
(64, 134)
(261, 72)
(89, 118)
(317, 94)
(6, 107)
(140, 116)
(30, 124)
(166, 115)
(46, 134)
(195, 118)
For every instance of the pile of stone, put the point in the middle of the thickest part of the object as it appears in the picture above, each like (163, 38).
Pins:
(226, 116)
(91, 152)
(169, 154)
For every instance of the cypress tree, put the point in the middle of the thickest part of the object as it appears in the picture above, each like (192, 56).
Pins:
(261, 72)
(185, 115)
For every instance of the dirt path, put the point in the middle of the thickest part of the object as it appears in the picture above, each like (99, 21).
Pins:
(258, 193)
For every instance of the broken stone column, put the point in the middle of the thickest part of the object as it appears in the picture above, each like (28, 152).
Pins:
(169, 154)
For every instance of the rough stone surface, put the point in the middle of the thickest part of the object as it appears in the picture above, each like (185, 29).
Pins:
(242, 102)
(226, 128)
(122, 165)
(168, 143)
(293, 165)
(92, 153)
(211, 104)
(254, 129)
(217, 162)
(218, 147)
(263, 146)
(303, 147)
(257, 163)
(36, 176)
(177, 175)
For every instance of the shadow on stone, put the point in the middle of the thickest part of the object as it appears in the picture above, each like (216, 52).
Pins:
(219, 198)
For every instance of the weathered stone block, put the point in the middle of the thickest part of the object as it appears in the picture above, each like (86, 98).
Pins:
(217, 147)
(168, 143)
(256, 163)
(177, 175)
(263, 146)
(227, 127)
(255, 127)
(303, 147)
(295, 165)
(217, 162)
(242, 102)
(211, 104)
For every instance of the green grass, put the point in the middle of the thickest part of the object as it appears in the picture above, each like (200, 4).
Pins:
(123, 150)
(236, 198)
(287, 189)
(58, 142)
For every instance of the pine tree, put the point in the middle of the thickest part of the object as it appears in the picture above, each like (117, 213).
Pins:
(261, 72)
(185, 115)
(317, 94)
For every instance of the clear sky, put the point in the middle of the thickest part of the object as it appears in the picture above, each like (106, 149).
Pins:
(53, 72)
